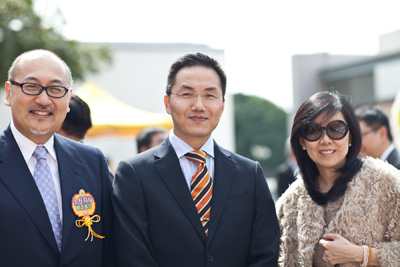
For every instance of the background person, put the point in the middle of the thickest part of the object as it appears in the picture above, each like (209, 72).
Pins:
(339, 203)
(377, 140)
(78, 120)
(41, 172)
(223, 216)
(150, 137)
(285, 173)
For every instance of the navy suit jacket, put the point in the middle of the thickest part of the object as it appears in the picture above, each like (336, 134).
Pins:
(284, 177)
(394, 158)
(27, 238)
(157, 223)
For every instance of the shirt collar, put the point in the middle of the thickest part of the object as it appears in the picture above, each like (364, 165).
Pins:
(27, 147)
(387, 152)
(181, 147)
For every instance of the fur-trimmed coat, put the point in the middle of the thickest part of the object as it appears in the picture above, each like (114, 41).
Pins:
(367, 214)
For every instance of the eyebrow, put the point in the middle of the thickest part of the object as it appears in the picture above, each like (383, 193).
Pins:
(191, 88)
(37, 80)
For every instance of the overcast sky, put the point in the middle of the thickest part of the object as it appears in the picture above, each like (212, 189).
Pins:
(259, 37)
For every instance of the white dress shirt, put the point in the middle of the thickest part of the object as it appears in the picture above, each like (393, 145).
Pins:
(387, 152)
(188, 167)
(27, 147)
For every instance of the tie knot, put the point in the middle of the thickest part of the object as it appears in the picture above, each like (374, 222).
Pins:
(196, 156)
(40, 152)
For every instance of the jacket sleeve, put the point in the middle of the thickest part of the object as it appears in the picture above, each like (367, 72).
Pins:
(108, 255)
(133, 246)
(264, 243)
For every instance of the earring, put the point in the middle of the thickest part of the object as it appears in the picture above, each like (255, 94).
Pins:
(304, 148)
(349, 145)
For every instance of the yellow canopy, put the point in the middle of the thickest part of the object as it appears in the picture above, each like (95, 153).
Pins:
(111, 116)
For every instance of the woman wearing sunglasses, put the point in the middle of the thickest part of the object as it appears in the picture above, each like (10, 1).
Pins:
(341, 210)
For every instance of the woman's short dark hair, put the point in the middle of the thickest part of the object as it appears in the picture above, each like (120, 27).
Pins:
(328, 104)
(192, 60)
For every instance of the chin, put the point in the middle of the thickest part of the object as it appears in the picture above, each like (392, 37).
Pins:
(39, 132)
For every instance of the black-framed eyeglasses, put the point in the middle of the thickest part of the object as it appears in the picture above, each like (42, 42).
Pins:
(55, 91)
(208, 97)
(371, 131)
(336, 130)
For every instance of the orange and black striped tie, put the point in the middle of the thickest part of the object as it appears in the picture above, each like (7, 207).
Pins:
(201, 187)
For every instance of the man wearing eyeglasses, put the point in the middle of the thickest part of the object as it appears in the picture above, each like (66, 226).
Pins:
(48, 182)
(376, 136)
(188, 201)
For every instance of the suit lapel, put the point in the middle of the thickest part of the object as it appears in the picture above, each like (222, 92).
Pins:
(70, 170)
(167, 165)
(224, 174)
(15, 175)
(393, 158)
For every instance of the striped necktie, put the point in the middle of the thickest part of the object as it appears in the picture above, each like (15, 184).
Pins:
(44, 182)
(201, 187)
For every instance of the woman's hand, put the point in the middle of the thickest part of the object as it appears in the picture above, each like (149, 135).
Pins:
(339, 250)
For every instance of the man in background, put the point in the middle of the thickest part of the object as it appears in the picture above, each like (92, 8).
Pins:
(150, 137)
(285, 172)
(376, 136)
(41, 173)
(78, 120)
(188, 201)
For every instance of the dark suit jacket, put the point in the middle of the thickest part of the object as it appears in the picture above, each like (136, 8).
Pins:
(284, 177)
(394, 158)
(27, 238)
(157, 223)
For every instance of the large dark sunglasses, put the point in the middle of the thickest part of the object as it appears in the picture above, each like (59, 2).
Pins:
(336, 130)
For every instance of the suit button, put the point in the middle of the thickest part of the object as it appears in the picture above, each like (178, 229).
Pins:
(210, 258)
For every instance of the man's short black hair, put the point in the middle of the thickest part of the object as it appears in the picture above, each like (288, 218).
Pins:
(78, 120)
(192, 60)
(144, 137)
(374, 117)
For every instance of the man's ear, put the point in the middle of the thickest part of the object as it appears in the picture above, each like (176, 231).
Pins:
(167, 104)
(69, 99)
(223, 108)
(383, 132)
(7, 99)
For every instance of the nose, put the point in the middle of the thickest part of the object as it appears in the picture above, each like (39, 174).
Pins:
(325, 138)
(198, 102)
(43, 98)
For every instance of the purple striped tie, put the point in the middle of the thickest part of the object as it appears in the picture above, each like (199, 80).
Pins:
(44, 182)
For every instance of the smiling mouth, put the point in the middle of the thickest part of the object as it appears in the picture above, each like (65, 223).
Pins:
(41, 113)
(198, 118)
(327, 151)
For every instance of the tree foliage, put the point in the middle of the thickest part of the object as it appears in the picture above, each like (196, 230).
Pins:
(258, 122)
(21, 29)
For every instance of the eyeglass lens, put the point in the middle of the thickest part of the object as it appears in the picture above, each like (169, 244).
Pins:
(336, 130)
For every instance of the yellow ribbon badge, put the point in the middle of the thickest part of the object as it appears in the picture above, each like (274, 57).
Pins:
(88, 221)
(83, 205)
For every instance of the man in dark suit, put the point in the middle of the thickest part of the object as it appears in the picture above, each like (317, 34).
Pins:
(377, 140)
(285, 172)
(150, 137)
(78, 120)
(160, 220)
(51, 188)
